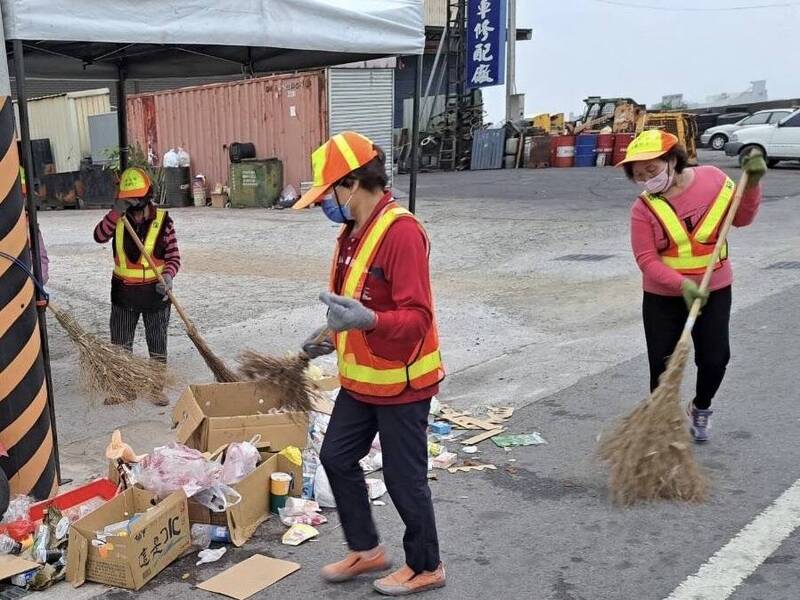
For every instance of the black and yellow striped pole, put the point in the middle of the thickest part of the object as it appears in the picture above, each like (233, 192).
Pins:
(26, 431)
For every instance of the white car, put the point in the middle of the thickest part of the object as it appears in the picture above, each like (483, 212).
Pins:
(777, 142)
(717, 137)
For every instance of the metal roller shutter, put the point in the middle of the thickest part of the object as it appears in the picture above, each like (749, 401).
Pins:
(362, 100)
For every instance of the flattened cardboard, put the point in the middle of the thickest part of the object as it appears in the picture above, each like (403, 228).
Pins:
(211, 415)
(158, 538)
(14, 565)
(477, 439)
(249, 577)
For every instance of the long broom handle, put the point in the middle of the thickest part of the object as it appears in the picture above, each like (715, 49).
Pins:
(187, 321)
(721, 239)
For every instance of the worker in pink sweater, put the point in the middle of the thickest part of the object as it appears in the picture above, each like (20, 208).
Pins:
(674, 227)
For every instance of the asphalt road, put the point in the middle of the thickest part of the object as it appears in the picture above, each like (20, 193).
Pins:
(559, 339)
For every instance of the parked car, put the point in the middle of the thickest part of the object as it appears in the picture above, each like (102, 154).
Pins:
(777, 142)
(717, 137)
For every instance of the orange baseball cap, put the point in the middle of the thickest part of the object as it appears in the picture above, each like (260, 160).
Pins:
(648, 145)
(338, 157)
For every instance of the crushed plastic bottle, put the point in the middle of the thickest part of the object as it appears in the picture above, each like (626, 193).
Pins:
(9, 545)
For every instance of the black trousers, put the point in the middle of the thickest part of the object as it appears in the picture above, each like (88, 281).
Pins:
(123, 329)
(664, 318)
(404, 442)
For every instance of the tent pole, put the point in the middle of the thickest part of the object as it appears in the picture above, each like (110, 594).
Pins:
(122, 120)
(412, 184)
(33, 224)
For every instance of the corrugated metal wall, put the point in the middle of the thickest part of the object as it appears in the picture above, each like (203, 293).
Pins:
(285, 116)
(86, 104)
(435, 13)
(362, 100)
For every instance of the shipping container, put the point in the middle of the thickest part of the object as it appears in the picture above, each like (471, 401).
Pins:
(285, 116)
(64, 120)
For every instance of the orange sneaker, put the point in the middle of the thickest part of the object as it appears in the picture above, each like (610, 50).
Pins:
(356, 563)
(403, 582)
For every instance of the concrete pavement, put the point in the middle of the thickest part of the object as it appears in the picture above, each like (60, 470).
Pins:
(558, 338)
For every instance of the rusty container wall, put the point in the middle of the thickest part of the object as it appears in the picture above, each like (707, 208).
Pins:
(285, 116)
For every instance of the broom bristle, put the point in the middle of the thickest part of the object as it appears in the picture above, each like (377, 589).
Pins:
(650, 451)
(287, 373)
(220, 370)
(109, 369)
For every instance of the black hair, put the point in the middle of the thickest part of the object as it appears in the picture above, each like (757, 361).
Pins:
(678, 152)
(371, 176)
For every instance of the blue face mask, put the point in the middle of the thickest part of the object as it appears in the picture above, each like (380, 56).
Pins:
(335, 211)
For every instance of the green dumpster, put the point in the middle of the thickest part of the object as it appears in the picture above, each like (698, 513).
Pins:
(255, 183)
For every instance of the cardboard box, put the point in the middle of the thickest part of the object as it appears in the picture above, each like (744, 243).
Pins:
(219, 199)
(159, 537)
(243, 519)
(213, 415)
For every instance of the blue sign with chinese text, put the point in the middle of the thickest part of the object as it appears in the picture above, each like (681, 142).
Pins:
(486, 43)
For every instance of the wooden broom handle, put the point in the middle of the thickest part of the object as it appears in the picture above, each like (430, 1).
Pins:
(721, 239)
(187, 321)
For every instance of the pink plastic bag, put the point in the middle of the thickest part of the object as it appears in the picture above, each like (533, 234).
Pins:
(174, 467)
(241, 459)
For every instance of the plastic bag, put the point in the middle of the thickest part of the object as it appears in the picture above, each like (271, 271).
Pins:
(241, 459)
(209, 556)
(322, 489)
(18, 509)
(313, 519)
(39, 551)
(170, 158)
(174, 467)
(376, 488)
(218, 498)
(184, 160)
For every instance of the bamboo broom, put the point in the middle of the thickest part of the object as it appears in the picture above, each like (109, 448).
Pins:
(221, 372)
(288, 373)
(650, 451)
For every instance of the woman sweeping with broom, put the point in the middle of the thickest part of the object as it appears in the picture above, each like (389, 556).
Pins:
(674, 227)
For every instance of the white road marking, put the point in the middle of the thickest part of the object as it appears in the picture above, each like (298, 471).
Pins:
(739, 558)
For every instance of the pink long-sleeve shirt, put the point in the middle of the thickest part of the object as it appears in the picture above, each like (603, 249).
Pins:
(648, 238)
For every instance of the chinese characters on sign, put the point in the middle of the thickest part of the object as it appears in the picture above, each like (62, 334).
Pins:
(486, 45)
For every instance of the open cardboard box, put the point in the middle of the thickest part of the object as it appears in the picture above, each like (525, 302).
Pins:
(158, 538)
(212, 415)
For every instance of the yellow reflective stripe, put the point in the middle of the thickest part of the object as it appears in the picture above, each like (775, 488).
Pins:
(423, 366)
(692, 262)
(359, 265)
(318, 165)
(673, 225)
(714, 216)
(346, 151)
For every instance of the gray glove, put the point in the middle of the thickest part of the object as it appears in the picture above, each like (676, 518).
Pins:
(345, 314)
(120, 206)
(163, 290)
(315, 348)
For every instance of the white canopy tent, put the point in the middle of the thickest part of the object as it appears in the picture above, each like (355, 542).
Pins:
(146, 39)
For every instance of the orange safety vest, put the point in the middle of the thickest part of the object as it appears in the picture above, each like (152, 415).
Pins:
(689, 252)
(139, 271)
(360, 370)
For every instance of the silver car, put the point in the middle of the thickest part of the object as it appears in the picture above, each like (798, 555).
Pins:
(717, 137)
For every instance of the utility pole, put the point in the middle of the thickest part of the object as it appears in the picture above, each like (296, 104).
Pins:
(511, 59)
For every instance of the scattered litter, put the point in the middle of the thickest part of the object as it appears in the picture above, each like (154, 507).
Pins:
(441, 428)
(467, 468)
(499, 414)
(469, 449)
(297, 534)
(522, 439)
(210, 556)
(477, 439)
(445, 460)
(313, 519)
(249, 577)
(185, 576)
(378, 503)
(376, 488)
(241, 459)
(214, 533)
(465, 421)
(434, 449)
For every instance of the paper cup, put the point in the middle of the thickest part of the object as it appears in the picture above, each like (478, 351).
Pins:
(279, 484)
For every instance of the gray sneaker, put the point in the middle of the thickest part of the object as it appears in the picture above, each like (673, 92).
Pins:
(700, 420)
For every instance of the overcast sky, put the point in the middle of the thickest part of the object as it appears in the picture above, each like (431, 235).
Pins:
(596, 47)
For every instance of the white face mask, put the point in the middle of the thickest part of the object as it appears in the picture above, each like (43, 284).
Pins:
(661, 182)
